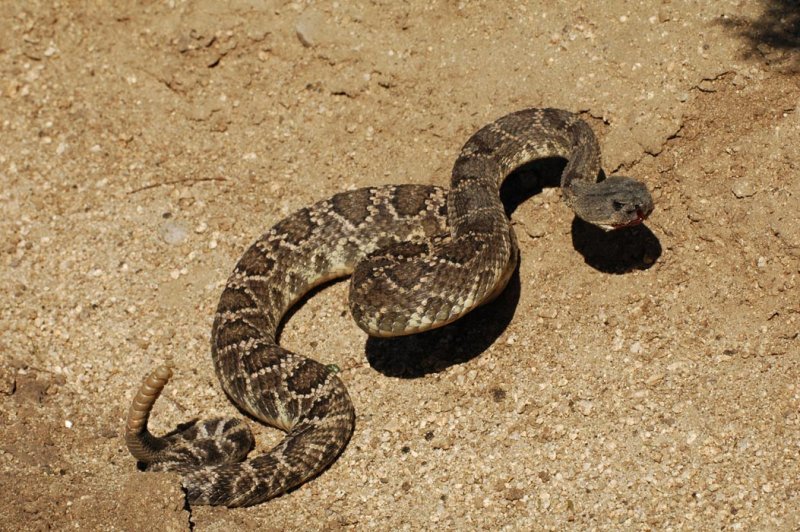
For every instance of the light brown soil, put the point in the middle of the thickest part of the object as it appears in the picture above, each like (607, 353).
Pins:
(145, 146)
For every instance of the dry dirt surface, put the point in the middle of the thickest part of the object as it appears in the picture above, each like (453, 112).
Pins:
(641, 380)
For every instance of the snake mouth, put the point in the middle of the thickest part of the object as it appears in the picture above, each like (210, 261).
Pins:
(640, 217)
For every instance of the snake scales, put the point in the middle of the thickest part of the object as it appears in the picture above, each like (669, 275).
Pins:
(420, 257)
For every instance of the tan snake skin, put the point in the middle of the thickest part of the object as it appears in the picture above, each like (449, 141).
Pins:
(420, 257)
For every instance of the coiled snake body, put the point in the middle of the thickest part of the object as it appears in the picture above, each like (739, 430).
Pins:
(420, 257)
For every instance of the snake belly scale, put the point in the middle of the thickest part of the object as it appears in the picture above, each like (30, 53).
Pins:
(420, 257)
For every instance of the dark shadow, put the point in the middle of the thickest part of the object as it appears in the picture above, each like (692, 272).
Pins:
(778, 28)
(433, 351)
(529, 180)
(620, 251)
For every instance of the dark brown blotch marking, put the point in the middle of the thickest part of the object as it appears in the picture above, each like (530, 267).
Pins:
(409, 201)
(353, 205)
(482, 144)
(182, 455)
(235, 298)
(239, 442)
(256, 262)
(320, 408)
(297, 227)
(467, 201)
(209, 451)
(306, 377)
(263, 355)
(455, 253)
(236, 330)
(244, 484)
(405, 274)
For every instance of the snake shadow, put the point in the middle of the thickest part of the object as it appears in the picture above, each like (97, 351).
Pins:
(420, 354)
(433, 351)
(616, 252)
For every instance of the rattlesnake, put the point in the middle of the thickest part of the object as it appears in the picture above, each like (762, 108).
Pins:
(420, 257)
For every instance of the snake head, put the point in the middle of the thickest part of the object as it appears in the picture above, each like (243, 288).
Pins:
(614, 203)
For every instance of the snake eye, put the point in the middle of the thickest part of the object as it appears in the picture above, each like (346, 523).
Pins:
(617, 205)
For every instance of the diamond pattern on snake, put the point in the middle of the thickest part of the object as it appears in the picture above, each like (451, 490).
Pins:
(419, 257)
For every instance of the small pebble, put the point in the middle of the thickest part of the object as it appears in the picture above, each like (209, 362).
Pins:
(549, 314)
(544, 498)
(514, 494)
(309, 28)
(743, 189)
(173, 233)
(655, 378)
(585, 407)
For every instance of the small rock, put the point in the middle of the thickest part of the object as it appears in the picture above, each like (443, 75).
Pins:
(257, 34)
(514, 494)
(743, 189)
(202, 110)
(498, 394)
(536, 230)
(544, 499)
(617, 343)
(442, 442)
(173, 233)
(585, 407)
(549, 314)
(707, 85)
(655, 378)
(309, 27)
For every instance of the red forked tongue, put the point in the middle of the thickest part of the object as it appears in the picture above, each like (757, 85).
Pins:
(640, 216)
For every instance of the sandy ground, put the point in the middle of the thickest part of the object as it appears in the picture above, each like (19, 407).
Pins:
(649, 380)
